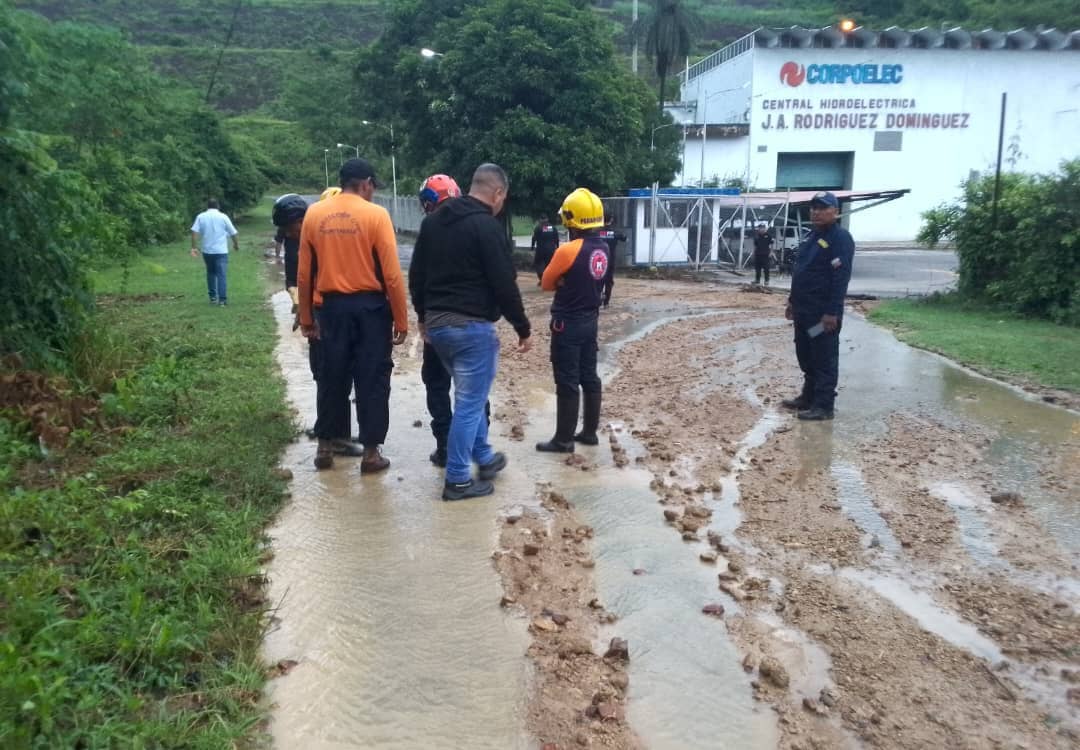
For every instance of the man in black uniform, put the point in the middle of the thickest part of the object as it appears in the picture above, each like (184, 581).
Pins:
(288, 216)
(819, 284)
(576, 275)
(612, 238)
(545, 239)
(762, 251)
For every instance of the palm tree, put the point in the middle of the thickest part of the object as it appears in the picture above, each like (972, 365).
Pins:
(667, 38)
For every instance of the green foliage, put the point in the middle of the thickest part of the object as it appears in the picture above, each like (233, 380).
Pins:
(569, 116)
(129, 566)
(101, 156)
(281, 150)
(46, 220)
(1029, 262)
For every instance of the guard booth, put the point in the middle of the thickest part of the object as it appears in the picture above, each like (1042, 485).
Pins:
(700, 226)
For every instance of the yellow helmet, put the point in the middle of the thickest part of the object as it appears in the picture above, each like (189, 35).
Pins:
(582, 210)
(330, 192)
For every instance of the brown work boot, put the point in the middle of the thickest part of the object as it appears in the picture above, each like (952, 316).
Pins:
(324, 454)
(373, 462)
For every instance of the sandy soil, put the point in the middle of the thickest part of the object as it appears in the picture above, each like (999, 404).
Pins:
(689, 392)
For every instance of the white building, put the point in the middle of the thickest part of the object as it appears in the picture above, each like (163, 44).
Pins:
(823, 109)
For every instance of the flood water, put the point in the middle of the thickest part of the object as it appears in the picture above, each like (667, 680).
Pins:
(388, 598)
(389, 601)
(879, 376)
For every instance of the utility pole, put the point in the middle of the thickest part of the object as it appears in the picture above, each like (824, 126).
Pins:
(635, 34)
(997, 172)
(221, 53)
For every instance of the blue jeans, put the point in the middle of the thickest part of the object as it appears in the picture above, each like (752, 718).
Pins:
(470, 353)
(216, 266)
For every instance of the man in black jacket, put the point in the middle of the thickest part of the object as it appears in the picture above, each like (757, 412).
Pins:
(762, 253)
(819, 284)
(612, 238)
(461, 281)
(545, 239)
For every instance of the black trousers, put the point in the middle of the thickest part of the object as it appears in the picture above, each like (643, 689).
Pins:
(437, 383)
(819, 359)
(356, 341)
(573, 354)
(541, 258)
(315, 358)
(292, 263)
(761, 263)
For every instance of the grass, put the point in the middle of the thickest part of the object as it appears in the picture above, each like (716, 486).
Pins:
(131, 610)
(992, 342)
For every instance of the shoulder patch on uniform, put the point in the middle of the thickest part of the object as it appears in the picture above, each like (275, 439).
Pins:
(598, 264)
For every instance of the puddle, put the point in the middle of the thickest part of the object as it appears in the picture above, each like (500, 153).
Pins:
(970, 509)
(389, 601)
(856, 503)
(879, 375)
(930, 616)
(808, 664)
(726, 516)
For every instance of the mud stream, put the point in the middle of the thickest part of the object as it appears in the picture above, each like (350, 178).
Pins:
(389, 602)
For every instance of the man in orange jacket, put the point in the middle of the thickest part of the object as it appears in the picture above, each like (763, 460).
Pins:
(363, 313)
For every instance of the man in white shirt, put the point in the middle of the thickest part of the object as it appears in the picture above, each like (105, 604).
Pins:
(213, 230)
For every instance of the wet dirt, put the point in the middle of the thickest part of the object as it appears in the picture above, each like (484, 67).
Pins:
(860, 585)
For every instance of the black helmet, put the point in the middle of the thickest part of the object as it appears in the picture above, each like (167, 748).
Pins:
(288, 208)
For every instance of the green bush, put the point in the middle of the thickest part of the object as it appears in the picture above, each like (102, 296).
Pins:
(101, 157)
(1029, 262)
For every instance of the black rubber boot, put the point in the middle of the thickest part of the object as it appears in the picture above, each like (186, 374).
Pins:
(803, 401)
(590, 420)
(438, 456)
(796, 404)
(566, 411)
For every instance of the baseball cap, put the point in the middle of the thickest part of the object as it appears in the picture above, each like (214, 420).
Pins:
(357, 169)
(825, 199)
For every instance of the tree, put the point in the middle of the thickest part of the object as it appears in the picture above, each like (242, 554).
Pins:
(533, 86)
(667, 38)
(1029, 262)
(100, 157)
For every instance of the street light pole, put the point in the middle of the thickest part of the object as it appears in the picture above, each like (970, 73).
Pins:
(704, 102)
(393, 146)
(326, 164)
(355, 148)
(393, 169)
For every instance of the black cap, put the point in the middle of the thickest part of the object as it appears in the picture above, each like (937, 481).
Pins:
(826, 199)
(357, 169)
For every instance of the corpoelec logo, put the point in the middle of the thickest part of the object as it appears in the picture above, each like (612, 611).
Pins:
(793, 74)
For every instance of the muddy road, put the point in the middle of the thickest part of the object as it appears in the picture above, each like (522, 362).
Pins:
(714, 574)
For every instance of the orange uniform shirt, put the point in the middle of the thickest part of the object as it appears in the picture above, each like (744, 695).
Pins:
(345, 234)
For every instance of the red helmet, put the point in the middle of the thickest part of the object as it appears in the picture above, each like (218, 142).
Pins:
(436, 189)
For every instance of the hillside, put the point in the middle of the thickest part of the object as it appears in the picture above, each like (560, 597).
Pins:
(183, 37)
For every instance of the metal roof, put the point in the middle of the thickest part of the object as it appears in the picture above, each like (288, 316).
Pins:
(731, 197)
(831, 37)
